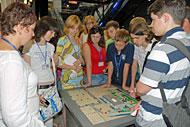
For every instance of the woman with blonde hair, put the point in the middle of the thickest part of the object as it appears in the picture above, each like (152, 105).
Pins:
(89, 22)
(69, 53)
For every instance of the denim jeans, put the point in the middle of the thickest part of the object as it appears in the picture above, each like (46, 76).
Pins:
(98, 79)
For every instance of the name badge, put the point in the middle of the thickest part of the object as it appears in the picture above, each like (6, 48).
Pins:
(45, 66)
(101, 64)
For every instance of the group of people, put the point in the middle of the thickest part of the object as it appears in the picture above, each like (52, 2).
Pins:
(89, 60)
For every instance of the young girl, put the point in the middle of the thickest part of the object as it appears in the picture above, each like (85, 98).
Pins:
(69, 52)
(94, 54)
(89, 22)
(40, 55)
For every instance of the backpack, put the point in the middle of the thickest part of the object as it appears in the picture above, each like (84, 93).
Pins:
(178, 114)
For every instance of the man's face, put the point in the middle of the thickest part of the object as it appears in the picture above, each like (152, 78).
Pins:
(111, 32)
(120, 45)
(139, 39)
(158, 25)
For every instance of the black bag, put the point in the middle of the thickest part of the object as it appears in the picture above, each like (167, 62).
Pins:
(178, 114)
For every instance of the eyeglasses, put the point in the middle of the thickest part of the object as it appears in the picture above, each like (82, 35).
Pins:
(89, 23)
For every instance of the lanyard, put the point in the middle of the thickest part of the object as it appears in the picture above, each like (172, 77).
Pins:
(100, 53)
(75, 49)
(45, 57)
(117, 64)
(12, 45)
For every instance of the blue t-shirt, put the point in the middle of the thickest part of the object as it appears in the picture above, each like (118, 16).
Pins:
(126, 57)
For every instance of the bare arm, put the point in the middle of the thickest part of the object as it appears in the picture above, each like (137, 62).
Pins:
(125, 75)
(110, 72)
(133, 75)
(142, 89)
(87, 58)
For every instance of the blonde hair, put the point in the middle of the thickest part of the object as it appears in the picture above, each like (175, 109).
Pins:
(122, 35)
(89, 17)
(71, 21)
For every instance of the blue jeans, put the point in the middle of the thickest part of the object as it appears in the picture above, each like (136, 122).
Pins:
(98, 79)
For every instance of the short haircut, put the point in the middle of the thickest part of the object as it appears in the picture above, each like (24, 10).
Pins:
(70, 22)
(45, 24)
(16, 13)
(176, 8)
(113, 24)
(187, 13)
(122, 35)
(139, 26)
(97, 29)
(89, 17)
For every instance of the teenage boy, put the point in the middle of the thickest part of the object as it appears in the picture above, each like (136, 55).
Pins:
(165, 64)
(111, 27)
(119, 57)
(142, 37)
(186, 21)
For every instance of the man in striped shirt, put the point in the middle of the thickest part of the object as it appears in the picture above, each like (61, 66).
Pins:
(165, 64)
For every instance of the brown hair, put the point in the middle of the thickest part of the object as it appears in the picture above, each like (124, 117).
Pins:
(113, 24)
(45, 24)
(89, 17)
(97, 29)
(122, 35)
(14, 14)
(139, 26)
(176, 8)
(70, 22)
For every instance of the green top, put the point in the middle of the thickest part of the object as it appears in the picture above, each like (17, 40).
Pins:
(108, 42)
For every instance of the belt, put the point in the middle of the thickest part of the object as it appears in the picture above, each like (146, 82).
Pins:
(46, 86)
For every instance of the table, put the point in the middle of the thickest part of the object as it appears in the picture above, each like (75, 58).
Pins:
(95, 107)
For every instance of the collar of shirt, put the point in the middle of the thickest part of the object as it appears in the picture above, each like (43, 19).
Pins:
(170, 32)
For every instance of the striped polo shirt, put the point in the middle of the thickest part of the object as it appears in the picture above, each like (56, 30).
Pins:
(169, 66)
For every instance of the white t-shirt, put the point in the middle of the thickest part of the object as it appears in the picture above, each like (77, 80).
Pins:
(38, 61)
(19, 103)
(140, 54)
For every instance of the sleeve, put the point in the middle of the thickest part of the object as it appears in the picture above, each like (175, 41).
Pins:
(14, 97)
(109, 53)
(156, 67)
(61, 46)
(130, 53)
(135, 52)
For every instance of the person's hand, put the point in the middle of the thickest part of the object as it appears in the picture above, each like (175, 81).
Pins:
(133, 94)
(131, 89)
(78, 68)
(125, 87)
(87, 85)
(55, 59)
(137, 105)
(77, 62)
(105, 85)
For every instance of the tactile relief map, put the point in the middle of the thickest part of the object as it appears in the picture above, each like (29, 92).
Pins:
(103, 104)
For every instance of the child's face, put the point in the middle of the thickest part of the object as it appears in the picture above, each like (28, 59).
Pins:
(111, 32)
(95, 38)
(89, 24)
(49, 34)
(138, 39)
(120, 45)
(74, 30)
